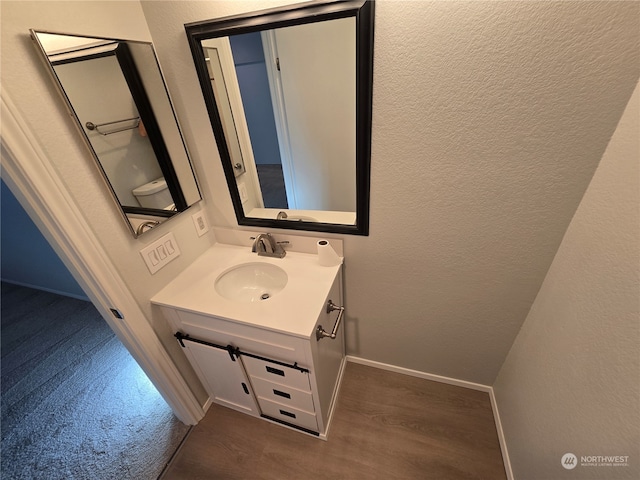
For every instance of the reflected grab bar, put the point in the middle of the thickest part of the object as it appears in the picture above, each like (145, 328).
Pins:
(95, 126)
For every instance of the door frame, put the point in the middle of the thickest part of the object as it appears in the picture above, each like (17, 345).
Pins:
(238, 121)
(270, 50)
(42, 193)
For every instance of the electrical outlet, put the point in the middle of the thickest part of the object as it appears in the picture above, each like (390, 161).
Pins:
(200, 222)
(157, 254)
(242, 190)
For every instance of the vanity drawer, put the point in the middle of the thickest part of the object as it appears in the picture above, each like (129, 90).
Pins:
(282, 394)
(274, 372)
(288, 414)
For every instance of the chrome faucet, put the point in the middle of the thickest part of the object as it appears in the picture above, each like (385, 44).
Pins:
(265, 245)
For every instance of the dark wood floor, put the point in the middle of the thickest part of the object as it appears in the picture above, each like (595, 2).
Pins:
(386, 426)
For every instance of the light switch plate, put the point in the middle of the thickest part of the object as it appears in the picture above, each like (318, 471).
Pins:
(200, 222)
(242, 190)
(157, 254)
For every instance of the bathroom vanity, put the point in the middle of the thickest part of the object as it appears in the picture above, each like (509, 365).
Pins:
(256, 331)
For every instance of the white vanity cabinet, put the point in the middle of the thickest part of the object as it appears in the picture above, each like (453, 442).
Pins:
(288, 377)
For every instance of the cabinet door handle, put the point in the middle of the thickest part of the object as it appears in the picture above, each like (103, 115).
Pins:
(320, 332)
(281, 394)
(287, 414)
(275, 371)
(244, 387)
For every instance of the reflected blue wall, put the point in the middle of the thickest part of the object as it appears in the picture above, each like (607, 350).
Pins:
(25, 255)
(251, 70)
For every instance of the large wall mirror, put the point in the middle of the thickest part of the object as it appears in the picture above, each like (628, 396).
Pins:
(116, 92)
(288, 91)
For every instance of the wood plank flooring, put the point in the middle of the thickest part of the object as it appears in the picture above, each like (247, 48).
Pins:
(386, 426)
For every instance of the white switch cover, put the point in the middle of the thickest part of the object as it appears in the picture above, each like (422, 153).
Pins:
(157, 254)
(200, 222)
(242, 190)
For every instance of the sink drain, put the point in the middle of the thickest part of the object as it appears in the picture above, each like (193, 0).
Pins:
(265, 296)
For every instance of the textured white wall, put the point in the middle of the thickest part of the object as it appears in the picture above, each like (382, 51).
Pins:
(489, 119)
(570, 382)
(26, 80)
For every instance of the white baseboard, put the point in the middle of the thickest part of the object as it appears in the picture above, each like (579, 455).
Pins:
(501, 437)
(416, 373)
(449, 381)
(207, 404)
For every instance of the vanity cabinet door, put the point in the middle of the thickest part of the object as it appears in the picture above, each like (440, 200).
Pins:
(224, 378)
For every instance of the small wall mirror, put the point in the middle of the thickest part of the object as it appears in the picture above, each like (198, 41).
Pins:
(288, 91)
(116, 92)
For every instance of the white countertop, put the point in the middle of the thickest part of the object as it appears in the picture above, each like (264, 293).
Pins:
(294, 310)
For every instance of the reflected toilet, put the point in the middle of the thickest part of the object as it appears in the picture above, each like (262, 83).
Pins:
(154, 194)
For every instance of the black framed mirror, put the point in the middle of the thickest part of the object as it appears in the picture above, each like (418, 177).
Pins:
(117, 95)
(289, 95)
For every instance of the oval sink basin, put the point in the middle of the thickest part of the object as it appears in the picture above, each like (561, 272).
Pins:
(251, 282)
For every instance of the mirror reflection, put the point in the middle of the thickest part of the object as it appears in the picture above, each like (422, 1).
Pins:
(286, 105)
(116, 92)
(298, 111)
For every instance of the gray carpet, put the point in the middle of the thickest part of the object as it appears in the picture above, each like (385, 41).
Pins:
(75, 405)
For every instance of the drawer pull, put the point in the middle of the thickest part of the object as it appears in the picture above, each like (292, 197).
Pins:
(281, 394)
(275, 371)
(244, 387)
(287, 414)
